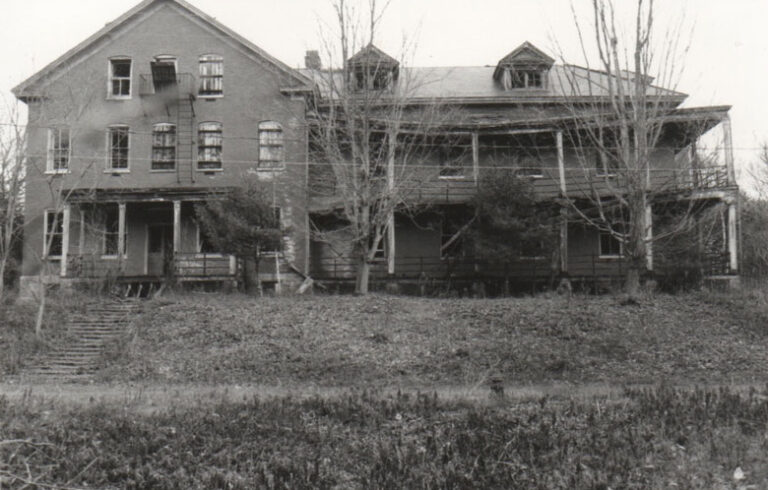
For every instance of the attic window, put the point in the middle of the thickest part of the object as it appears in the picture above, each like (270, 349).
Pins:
(522, 78)
(373, 78)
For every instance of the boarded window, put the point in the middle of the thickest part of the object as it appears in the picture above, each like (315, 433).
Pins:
(210, 138)
(164, 147)
(270, 144)
(211, 75)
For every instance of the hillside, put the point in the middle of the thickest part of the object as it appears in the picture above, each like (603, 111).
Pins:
(389, 341)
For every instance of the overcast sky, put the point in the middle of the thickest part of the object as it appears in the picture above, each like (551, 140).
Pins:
(727, 62)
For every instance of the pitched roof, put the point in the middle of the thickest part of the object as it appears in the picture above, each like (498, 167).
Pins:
(475, 84)
(23, 89)
(372, 55)
(527, 53)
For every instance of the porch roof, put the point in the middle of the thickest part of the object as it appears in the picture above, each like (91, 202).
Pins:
(155, 194)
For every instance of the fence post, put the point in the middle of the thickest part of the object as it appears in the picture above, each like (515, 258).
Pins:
(594, 273)
(205, 269)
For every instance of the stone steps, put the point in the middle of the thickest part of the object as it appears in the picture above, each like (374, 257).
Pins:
(92, 331)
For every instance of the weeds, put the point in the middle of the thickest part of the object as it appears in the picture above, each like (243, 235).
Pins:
(649, 438)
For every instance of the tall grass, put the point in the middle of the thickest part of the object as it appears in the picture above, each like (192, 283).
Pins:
(651, 438)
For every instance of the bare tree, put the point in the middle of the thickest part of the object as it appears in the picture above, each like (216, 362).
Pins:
(369, 136)
(13, 136)
(620, 108)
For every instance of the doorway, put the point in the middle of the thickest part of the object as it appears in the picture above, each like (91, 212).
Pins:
(159, 250)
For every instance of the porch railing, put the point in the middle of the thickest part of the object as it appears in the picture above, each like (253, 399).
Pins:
(185, 266)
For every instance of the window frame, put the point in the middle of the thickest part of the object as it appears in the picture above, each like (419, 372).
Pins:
(201, 146)
(112, 78)
(266, 128)
(111, 131)
(153, 161)
(609, 254)
(50, 164)
(47, 232)
(205, 60)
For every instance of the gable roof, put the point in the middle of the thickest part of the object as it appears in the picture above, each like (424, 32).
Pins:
(372, 55)
(24, 89)
(526, 55)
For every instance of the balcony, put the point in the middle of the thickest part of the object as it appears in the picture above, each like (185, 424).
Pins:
(579, 183)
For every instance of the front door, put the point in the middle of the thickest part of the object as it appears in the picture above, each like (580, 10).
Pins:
(159, 250)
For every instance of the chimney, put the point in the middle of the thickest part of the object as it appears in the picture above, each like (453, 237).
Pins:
(312, 60)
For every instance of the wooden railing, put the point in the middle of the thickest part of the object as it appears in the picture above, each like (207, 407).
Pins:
(182, 84)
(185, 266)
(545, 183)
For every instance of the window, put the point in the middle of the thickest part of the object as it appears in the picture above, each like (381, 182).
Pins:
(270, 144)
(204, 243)
(211, 75)
(54, 234)
(58, 150)
(209, 141)
(164, 147)
(111, 223)
(120, 78)
(452, 158)
(529, 166)
(118, 140)
(522, 78)
(610, 245)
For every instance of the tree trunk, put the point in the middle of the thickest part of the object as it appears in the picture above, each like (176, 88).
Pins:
(363, 277)
(250, 275)
(40, 312)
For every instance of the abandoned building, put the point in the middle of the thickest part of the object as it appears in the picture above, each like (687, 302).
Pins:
(132, 128)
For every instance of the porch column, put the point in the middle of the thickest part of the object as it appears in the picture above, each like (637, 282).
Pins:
(475, 157)
(733, 256)
(649, 237)
(176, 226)
(392, 141)
(564, 205)
(81, 235)
(728, 148)
(64, 239)
(121, 229)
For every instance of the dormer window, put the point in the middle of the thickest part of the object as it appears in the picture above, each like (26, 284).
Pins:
(372, 69)
(518, 78)
(526, 67)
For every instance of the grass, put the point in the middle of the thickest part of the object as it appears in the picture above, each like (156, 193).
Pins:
(651, 438)
(18, 342)
(386, 341)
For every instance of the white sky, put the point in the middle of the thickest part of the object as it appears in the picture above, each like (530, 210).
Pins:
(727, 62)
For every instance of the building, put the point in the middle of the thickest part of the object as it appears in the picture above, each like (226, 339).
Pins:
(134, 126)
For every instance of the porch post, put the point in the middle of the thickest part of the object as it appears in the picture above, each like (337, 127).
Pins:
(564, 205)
(64, 240)
(176, 226)
(732, 239)
(728, 148)
(81, 235)
(121, 229)
(392, 141)
(475, 157)
(649, 237)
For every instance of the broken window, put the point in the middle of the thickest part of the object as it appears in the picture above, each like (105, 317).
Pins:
(211, 75)
(118, 140)
(163, 146)
(210, 139)
(270, 144)
(58, 150)
(54, 234)
(120, 78)
(452, 157)
(522, 78)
